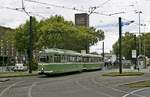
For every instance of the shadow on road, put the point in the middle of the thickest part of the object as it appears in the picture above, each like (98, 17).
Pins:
(65, 74)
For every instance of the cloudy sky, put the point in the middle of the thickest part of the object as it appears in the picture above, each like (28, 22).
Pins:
(111, 10)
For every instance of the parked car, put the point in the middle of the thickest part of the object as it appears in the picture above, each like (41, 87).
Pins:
(20, 67)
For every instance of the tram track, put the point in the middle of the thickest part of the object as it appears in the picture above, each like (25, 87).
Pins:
(88, 84)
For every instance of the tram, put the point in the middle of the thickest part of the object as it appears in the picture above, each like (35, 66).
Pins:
(56, 61)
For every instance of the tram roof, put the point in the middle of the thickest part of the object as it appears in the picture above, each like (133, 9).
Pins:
(61, 51)
(91, 55)
(67, 52)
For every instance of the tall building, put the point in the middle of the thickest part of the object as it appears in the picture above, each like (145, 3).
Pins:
(82, 19)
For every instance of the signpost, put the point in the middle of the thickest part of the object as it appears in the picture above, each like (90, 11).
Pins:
(133, 53)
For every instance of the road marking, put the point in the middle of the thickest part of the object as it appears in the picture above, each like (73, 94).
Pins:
(127, 93)
(86, 88)
(95, 82)
(10, 86)
(30, 89)
(133, 92)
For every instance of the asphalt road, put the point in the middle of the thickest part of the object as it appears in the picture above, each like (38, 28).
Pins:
(87, 84)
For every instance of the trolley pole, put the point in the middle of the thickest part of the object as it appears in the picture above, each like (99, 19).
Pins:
(120, 45)
(30, 55)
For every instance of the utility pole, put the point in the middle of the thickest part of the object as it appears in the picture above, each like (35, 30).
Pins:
(103, 51)
(139, 14)
(120, 45)
(135, 59)
(144, 25)
(30, 48)
(30, 42)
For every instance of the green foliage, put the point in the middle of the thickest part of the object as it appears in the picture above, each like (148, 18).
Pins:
(17, 74)
(128, 44)
(22, 35)
(34, 65)
(4, 30)
(146, 44)
(6, 36)
(140, 84)
(113, 74)
(56, 32)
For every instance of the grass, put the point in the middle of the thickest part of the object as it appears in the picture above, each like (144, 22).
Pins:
(140, 84)
(113, 74)
(17, 74)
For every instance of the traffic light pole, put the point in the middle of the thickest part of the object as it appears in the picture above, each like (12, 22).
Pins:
(120, 45)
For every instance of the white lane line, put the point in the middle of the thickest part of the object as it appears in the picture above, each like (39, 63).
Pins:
(97, 83)
(86, 88)
(126, 93)
(133, 92)
(10, 86)
(30, 89)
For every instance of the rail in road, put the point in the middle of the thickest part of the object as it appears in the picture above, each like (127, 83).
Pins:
(89, 84)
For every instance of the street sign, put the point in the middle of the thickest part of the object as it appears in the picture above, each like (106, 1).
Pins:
(133, 53)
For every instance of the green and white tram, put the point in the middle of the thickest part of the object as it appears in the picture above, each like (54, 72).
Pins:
(55, 61)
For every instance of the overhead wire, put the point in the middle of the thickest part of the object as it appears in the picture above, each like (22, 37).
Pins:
(103, 4)
(64, 7)
(37, 14)
(16, 9)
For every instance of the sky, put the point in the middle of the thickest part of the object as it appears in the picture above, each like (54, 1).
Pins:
(108, 22)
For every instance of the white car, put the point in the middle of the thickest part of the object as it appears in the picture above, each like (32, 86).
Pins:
(20, 67)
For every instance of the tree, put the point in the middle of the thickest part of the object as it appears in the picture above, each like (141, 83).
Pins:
(22, 34)
(146, 44)
(128, 44)
(56, 32)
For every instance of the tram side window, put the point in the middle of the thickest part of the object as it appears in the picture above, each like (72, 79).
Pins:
(68, 58)
(50, 58)
(44, 59)
(92, 59)
(79, 59)
(71, 58)
(63, 58)
(86, 59)
(57, 58)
